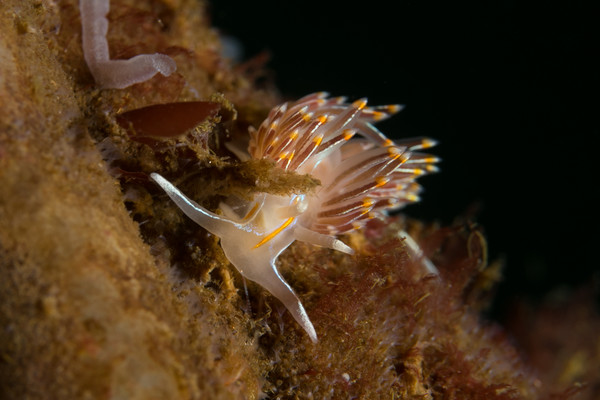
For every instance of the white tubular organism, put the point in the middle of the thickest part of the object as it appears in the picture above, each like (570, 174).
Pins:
(360, 179)
(114, 74)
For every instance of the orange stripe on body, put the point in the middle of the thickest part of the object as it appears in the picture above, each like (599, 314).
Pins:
(275, 232)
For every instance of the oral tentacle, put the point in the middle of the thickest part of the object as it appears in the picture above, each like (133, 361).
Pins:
(212, 222)
(271, 280)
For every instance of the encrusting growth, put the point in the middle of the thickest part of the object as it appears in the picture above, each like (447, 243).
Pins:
(115, 74)
(360, 180)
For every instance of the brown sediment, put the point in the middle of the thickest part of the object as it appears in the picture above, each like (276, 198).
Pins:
(86, 310)
(108, 291)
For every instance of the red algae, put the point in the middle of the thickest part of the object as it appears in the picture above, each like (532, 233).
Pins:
(166, 120)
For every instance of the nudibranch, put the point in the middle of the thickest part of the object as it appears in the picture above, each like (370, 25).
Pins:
(360, 179)
(114, 74)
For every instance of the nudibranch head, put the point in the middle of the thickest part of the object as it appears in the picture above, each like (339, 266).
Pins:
(360, 179)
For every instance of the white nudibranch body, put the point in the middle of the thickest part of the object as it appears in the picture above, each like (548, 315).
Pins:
(114, 74)
(360, 179)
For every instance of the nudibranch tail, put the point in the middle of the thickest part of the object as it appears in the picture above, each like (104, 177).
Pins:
(316, 238)
(114, 74)
(415, 251)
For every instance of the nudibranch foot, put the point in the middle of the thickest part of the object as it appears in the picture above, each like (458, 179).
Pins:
(114, 74)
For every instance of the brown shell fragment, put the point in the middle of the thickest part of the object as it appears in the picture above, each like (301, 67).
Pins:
(165, 121)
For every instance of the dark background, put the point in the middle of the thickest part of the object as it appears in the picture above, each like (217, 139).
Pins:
(509, 88)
